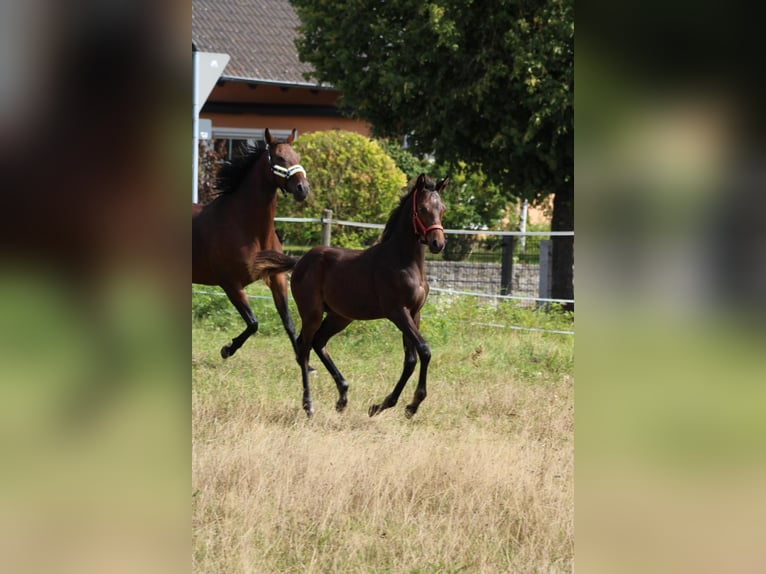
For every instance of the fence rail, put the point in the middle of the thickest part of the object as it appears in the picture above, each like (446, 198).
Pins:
(446, 231)
(518, 270)
(509, 276)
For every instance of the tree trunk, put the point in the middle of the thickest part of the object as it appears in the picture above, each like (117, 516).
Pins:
(562, 284)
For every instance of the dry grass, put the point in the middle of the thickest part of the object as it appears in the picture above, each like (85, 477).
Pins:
(480, 480)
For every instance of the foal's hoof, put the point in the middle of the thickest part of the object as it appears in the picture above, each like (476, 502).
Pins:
(410, 410)
(226, 352)
(373, 410)
(340, 406)
(309, 410)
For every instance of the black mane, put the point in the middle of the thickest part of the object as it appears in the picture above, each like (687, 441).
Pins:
(405, 203)
(232, 173)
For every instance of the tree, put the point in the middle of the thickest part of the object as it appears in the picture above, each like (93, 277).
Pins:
(489, 83)
(349, 174)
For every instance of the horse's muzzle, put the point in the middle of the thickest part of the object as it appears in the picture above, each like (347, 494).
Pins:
(300, 189)
(435, 241)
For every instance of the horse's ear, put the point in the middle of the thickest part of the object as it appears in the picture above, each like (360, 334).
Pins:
(268, 137)
(421, 182)
(291, 138)
(442, 184)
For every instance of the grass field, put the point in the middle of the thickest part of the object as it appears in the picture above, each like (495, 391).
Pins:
(480, 480)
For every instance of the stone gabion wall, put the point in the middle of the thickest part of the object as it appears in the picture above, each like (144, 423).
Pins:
(482, 277)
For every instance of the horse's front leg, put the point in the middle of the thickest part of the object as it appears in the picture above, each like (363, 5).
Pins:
(238, 298)
(410, 359)
(424, 353)
(414, 346)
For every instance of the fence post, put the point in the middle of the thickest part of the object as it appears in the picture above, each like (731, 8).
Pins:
(546, 269)
(506, 268)
(326, 226)
(523, 225)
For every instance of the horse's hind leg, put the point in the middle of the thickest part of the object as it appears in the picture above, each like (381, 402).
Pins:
(278, 285)
(238, 298)
(309, 325)
(332, 325)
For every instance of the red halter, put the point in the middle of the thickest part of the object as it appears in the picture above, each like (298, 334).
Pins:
(420, 227)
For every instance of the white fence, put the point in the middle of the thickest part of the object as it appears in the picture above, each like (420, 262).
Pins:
(529, 282)
(442, 275)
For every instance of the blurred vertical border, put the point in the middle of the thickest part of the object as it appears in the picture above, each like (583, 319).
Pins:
(671, 279)
(94, 247)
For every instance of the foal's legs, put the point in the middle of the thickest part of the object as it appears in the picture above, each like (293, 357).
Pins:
(278, 285)
(332, 325)
(310, 322)
(413, 343)
(410, 359)
(238, 298)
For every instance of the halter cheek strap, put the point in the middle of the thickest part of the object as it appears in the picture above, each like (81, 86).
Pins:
(417, 224)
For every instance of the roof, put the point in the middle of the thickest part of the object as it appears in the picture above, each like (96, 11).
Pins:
(258, 35)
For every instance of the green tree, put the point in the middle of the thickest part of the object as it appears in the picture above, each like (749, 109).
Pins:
(409, 163)
(489, 83)
(349, 174)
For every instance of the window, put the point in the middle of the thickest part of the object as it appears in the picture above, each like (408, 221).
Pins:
(226, 144)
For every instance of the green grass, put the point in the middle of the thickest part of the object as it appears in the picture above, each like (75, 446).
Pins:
(479, 480)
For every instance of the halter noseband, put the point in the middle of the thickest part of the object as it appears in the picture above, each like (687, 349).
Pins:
(284, 172)
(417, 224)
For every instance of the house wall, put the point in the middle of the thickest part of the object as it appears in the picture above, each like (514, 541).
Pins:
(303, 124)
(243, 105)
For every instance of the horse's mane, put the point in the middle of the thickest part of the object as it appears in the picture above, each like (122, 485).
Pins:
(405, 203)
(232, 173)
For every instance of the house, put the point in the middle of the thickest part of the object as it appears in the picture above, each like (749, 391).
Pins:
(264, 83)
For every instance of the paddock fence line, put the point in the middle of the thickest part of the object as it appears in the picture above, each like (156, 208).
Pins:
(518, 269)
(330, 221)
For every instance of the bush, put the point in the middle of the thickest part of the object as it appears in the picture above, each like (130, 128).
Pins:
(349, 174)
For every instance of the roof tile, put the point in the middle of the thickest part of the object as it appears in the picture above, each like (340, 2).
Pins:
(259, 35)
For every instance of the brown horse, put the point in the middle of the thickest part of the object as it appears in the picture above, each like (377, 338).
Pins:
(228, 232)
(385, 281)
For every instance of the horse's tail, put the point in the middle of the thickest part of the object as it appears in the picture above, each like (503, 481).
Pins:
(267, 263)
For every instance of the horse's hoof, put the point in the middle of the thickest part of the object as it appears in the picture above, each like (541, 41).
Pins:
(225, 352)
(340, 406)
(373, 410)
(409, 411)
(309, 410)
